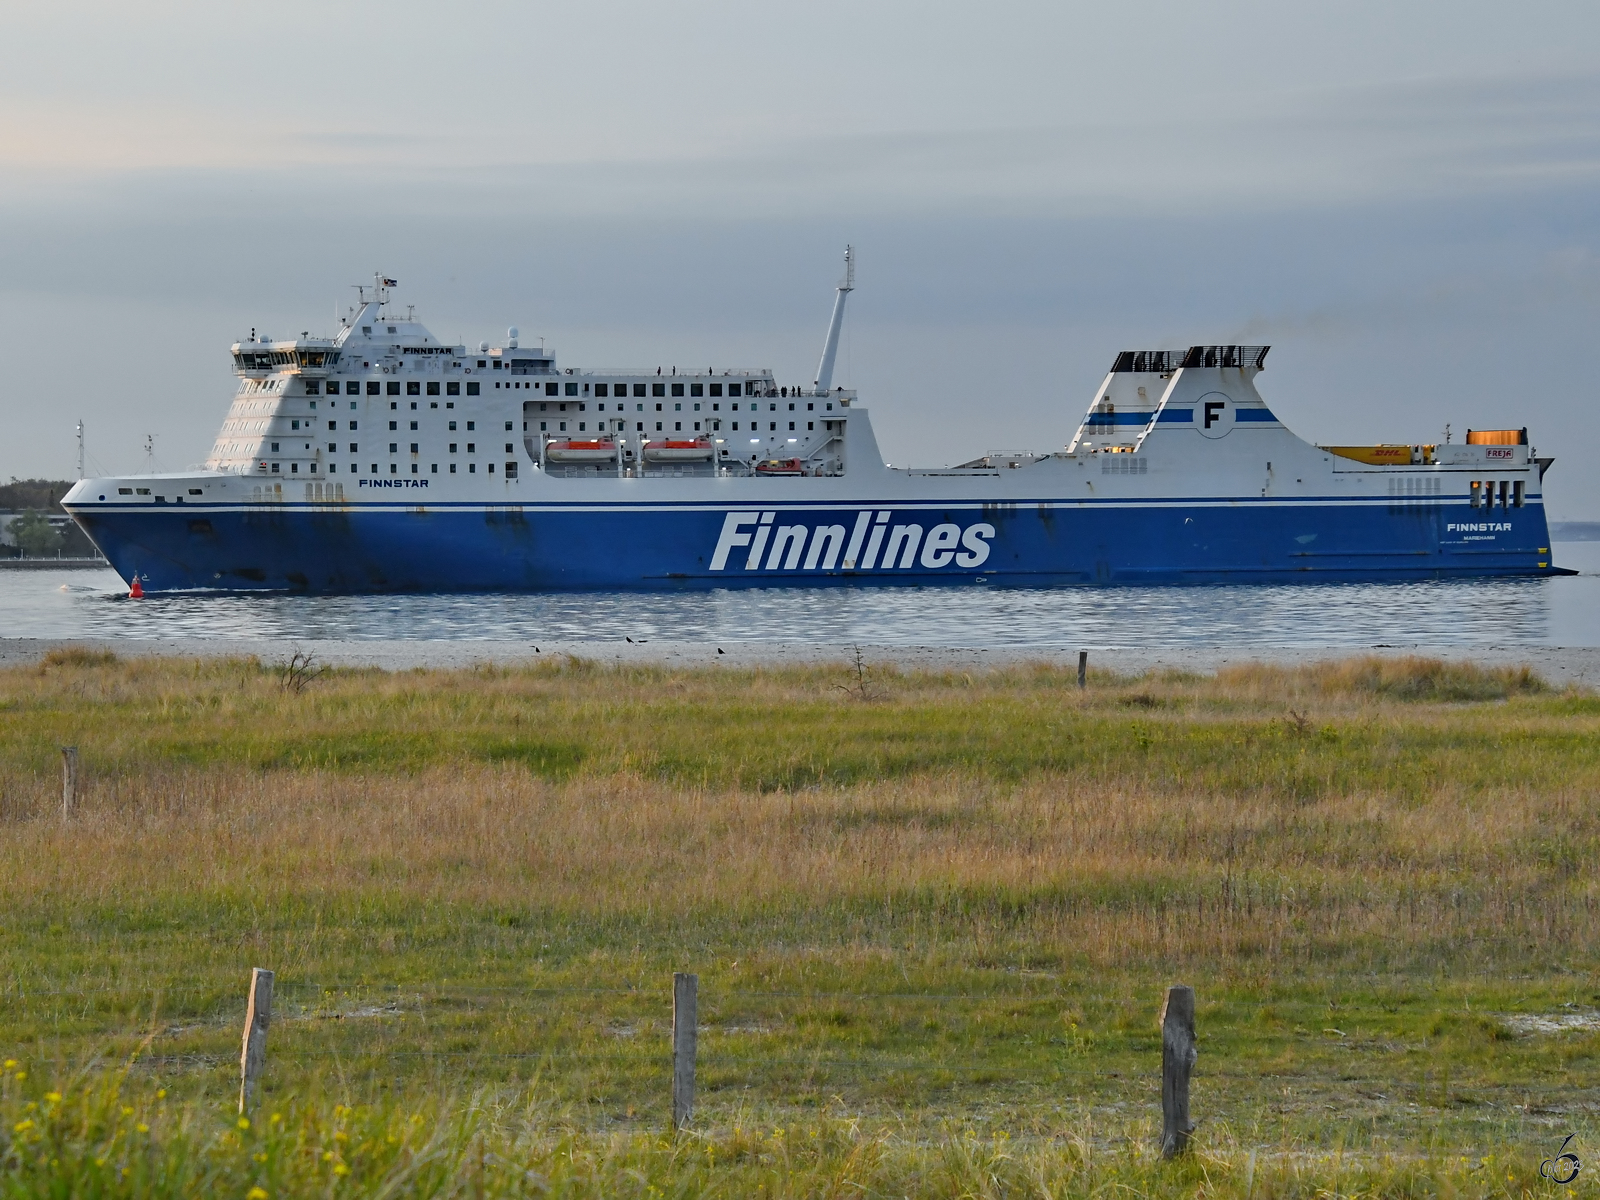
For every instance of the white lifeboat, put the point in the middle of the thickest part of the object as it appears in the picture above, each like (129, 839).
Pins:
(572, 451)
(696, 450)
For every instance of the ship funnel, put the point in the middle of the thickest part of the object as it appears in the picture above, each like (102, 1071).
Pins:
(830, 348)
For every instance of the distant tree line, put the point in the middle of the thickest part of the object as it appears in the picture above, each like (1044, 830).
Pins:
(36, 500)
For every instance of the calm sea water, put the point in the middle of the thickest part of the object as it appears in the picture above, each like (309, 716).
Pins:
(1547, 612)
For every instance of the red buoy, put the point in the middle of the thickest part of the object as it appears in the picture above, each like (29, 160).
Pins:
(136, 592)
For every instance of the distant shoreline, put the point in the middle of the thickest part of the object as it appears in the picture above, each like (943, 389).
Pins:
(1575, 531)
(52, 564)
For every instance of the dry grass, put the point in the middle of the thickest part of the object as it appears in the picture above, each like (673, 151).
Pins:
(1102, 872)
(955, 902)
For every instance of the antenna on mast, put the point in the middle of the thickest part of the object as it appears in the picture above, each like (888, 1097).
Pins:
(80, 447)
(830, 348)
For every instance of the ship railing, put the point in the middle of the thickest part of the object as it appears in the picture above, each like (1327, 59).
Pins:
(669, 373)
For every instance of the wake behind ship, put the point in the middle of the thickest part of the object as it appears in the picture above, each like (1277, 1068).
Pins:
(382, 459)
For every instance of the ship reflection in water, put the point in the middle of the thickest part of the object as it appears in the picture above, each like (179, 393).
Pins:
(1528, 612)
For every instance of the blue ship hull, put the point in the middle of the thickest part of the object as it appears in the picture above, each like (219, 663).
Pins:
(1042, 542)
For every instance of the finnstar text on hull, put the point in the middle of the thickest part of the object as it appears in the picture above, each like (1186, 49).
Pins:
(381, 459)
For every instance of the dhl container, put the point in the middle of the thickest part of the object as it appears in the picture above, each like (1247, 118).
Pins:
(1497, 437)
(1377, 456)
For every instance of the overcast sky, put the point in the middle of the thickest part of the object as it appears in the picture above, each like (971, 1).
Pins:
(1400, 198)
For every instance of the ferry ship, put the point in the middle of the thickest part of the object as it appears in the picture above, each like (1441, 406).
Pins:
(383, 459)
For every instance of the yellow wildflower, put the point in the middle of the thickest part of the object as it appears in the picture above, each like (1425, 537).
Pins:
(10, 1063)
(142, 1127)
(53, 1097)
(244, 1122)
(340, 1169)
(256, 1193)
(22, 1127)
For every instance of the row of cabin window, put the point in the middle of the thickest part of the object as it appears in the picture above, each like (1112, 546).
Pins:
(619, 390)
(394, 469)
(660, 389)
(677, 427)
(377, 387)
(414, 387)
(295, 424)
(544, 407)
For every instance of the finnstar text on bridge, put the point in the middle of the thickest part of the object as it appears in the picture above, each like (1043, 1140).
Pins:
(381, 459)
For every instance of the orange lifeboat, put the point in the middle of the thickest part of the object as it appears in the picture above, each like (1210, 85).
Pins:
(780, 466)
(571, 451)
(690, 450)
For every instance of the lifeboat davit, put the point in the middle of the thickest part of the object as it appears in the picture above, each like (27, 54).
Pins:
(598, 450)
(697, 450)
(780, 466)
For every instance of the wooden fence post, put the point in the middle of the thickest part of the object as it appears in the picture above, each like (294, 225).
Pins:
(684, 1017)
(1083, 668)
(69, 780)
(1177, 1060)
(257, 1016)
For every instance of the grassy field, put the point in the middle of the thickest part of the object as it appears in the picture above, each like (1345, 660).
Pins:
(933, 918)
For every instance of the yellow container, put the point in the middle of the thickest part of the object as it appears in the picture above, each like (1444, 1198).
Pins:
(1377, 456)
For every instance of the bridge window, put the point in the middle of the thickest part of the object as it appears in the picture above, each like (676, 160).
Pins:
(472, 389)
(450, 389)
(372, 387)
(394, 387)
(733, 389)
(413, 387)
(716, 389)
(602, 389)
(658, 389)
(677, 389)
(433, 388)
(313, 387)
(696, 389)
(572, 389)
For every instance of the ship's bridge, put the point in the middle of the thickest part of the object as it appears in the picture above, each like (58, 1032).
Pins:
(256, 359)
